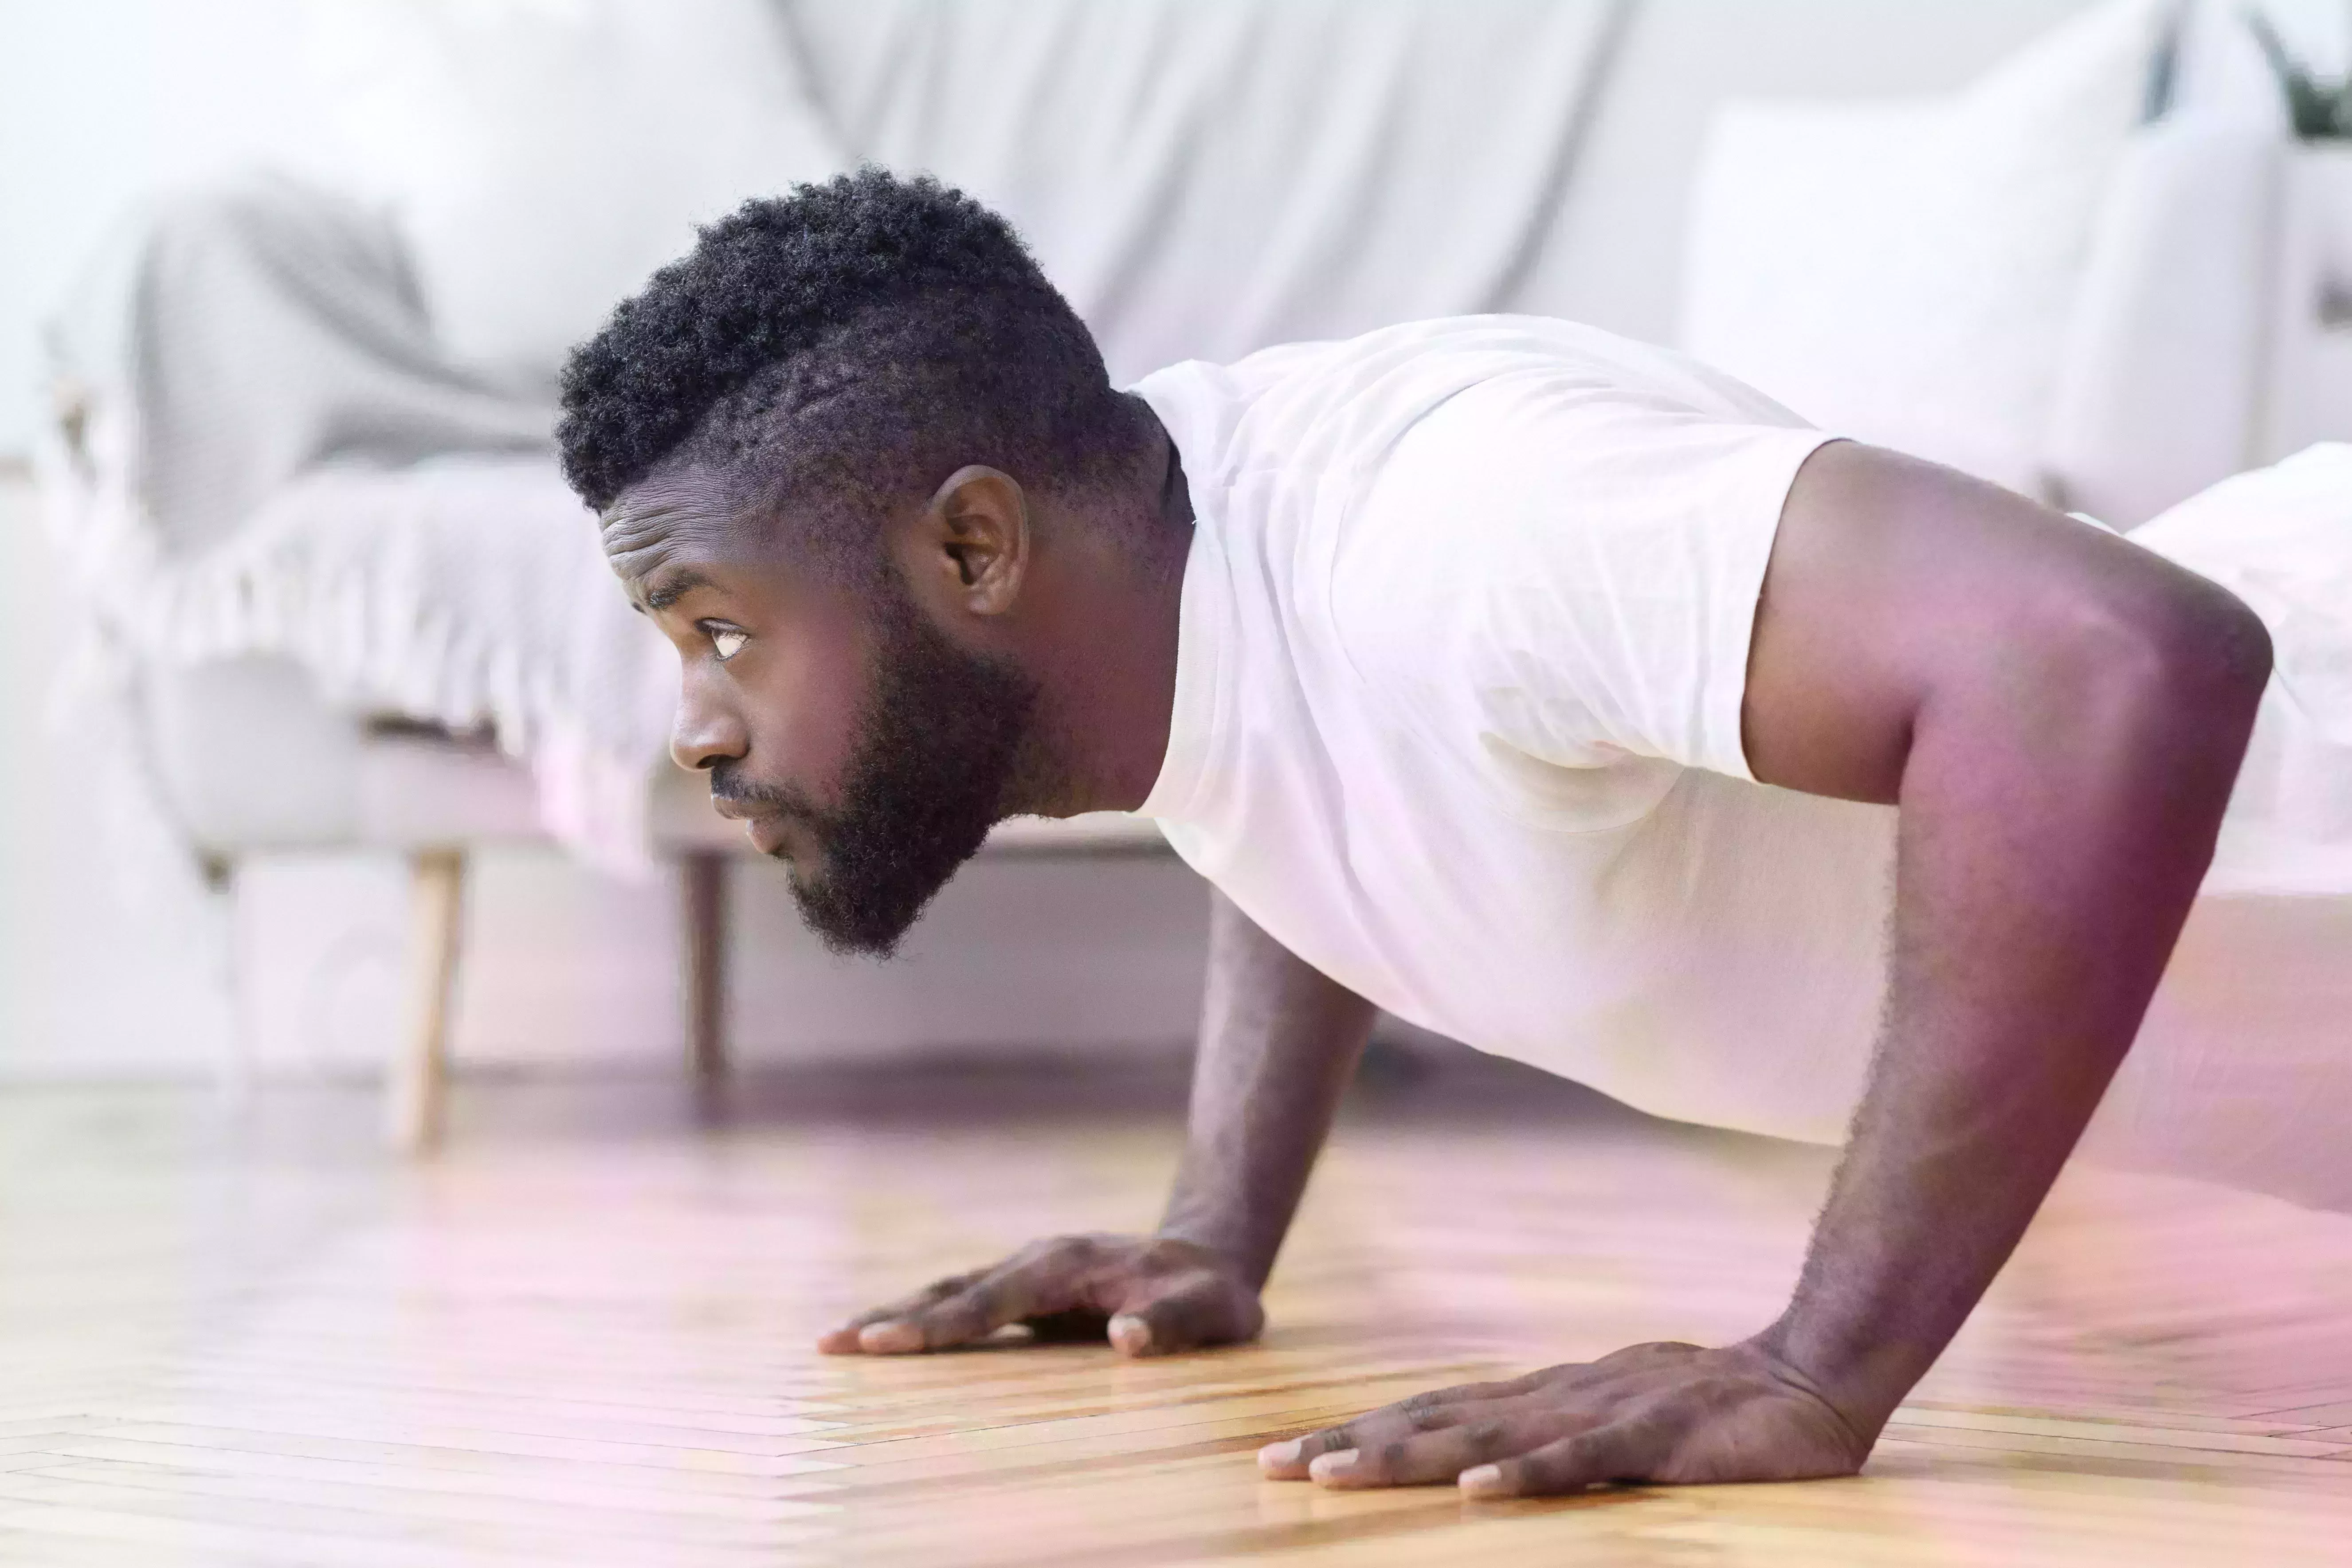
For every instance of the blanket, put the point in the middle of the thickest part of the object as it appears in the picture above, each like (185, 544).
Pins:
(259, 449)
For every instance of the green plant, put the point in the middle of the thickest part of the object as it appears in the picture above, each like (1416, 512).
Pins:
(2320, 111)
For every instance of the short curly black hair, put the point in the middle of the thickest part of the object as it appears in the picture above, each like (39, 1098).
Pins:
(870, 334)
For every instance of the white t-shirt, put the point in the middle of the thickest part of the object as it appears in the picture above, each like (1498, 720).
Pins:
(1462, 652)
(1463, 646)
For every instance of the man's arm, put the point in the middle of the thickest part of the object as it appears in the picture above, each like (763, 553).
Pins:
(1279, 1041)
(2060, 716)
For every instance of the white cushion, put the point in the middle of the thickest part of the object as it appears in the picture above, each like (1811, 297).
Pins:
(544, 157)
(1614, 257)
(1903, 272)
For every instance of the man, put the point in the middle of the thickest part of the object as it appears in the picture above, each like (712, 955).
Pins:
(1542, 688)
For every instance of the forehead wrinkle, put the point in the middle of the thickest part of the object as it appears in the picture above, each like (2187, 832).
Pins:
(660, 522)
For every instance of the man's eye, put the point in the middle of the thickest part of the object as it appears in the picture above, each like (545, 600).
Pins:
(726, 642)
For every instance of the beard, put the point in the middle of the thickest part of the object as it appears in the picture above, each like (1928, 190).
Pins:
(942, 744)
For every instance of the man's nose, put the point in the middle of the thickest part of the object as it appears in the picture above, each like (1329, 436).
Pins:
(704, 732)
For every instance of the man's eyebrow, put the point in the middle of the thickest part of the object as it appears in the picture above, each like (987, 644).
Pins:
(670, 587)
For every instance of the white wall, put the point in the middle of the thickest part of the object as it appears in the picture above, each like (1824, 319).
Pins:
(84, 990)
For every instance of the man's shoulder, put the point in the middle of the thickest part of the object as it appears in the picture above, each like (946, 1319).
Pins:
(1345, 401)
(1338, 366)
(1436, 334)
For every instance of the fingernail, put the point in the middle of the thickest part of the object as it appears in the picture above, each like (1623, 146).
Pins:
(1331, 1467)
(1130, 1333)
(1482, 1482)
(1275, 1454)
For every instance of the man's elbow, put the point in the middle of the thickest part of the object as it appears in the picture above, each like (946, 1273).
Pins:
(2176, 659)
(2208, 653)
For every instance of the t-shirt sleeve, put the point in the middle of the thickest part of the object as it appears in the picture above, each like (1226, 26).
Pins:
(1571, 572)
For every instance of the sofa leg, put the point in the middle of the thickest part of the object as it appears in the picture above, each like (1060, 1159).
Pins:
(702, 971)
(236, 1073)
(420, 1075)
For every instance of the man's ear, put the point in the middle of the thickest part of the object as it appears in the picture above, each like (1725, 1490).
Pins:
(970, 547)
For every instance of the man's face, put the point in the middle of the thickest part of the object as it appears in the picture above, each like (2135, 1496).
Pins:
(857, 741)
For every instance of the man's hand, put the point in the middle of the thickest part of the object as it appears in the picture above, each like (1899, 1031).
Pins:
(1151, 1295)
(1664, 1413)
(1278, 1040)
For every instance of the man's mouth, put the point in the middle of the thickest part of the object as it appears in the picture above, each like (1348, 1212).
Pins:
(768, 824)
(766, 832)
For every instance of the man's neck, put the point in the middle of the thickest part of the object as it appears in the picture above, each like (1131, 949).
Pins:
(1108, 689)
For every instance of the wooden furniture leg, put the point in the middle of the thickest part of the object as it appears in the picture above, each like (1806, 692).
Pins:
(702, 978)
(420, 1075)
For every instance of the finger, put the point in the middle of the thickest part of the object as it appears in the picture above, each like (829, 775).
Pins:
(1291, 1461)
(1477, 1435)
(1619, 1451)
(1198, 1309)
(1024, 1288)
(844, 1340)
(1473, 1434)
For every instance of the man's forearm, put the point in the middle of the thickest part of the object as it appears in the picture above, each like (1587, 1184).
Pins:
(2054, 834)
(1279, 1040)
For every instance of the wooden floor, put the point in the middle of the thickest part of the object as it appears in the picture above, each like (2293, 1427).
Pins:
(582, 1336)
